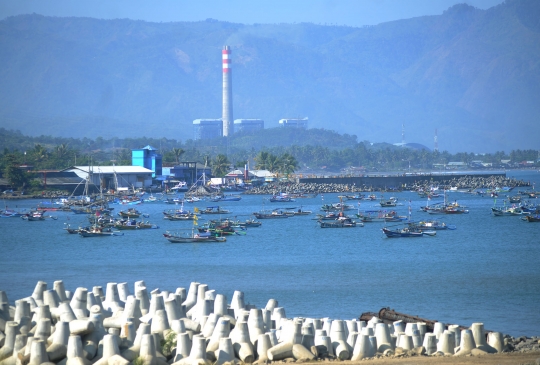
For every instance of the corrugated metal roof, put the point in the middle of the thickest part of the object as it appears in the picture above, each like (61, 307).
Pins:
(112, 169)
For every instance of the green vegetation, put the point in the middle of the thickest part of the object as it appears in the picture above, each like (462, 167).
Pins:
(45, 152)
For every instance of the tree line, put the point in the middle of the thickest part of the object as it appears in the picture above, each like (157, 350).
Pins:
(51, 153)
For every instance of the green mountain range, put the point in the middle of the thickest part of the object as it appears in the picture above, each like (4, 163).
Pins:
(473, 75)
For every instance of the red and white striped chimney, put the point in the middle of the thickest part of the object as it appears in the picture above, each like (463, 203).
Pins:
(227, 110)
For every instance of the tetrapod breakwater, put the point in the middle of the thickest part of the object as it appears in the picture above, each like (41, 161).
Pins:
(199, 326)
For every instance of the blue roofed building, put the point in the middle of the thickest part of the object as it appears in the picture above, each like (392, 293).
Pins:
(148, 157)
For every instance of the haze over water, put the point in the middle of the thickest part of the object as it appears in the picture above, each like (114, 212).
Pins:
(484, 271)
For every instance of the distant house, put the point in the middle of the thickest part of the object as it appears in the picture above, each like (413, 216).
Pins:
(456, 165)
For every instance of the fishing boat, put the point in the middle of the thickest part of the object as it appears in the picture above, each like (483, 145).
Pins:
(386, 203)
(70, 230)
(97, 231)
(130, 213)
(192, 238)
(248, 223)
(33, 216)
(131, 224)
(409, 230)
(226, 198)
(355, 197)
(213, 210)
(270, 214)
(531, 218)
(514, 199)
(435, 225)
(281, 198)
(507, 211)
(297, 211)
(340, 222)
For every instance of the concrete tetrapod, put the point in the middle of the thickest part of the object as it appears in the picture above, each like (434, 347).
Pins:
(416, 338)
(467, 343)
(225, 352)
(324, 345)
(183, 347)
(43, 329)
(110, 348)
(144, 301)
(496, 340)
(363, 348)
(191, 296)
(301, 353)
(78, 303)
(479, 335)
(457, 333)
(243, 348)
(430, 343)
(58, 286)
(438, 329)
(148, 352)
(75, 353)
(263, 345)
(58, 349)
(12, 330)
(222, 329)
(383, 337)
(255, 324)
(160, 323)
(123, 291)
(38, 354)
(405, 342)
(41, 286)
(132, 353)
(197, 355)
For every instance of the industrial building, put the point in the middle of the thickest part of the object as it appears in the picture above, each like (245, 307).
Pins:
(149, 158)
(114, 177)
(207, 128)
(190, 172)
(294, 123)
(248, 125)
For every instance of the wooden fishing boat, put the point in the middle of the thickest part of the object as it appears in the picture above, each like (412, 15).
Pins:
(531, 218)
(213, 210)
(130, 213)
(130, 224)
(282, 198)
(340, 222)
(33, 216)
(506, 211)
(434, 225)
(192, 238)
(96, 231)
(270, 215)
(409, 230)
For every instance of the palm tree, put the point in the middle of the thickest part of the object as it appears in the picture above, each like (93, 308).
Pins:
(220, 165)
(261, 161)
(177, 152)
(288, 164)
(272, 163)
(61, 150)
(40, 153)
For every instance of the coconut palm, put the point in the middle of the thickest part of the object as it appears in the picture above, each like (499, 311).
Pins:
(220, 165)
(287, 164)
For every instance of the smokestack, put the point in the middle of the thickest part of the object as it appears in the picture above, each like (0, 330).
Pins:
(227, 115)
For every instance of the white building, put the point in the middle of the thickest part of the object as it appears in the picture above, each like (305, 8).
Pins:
(294, 123)
(114, 177)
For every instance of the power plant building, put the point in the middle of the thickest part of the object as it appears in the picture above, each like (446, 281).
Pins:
(294, 123)
(248, 125)
(207, 128)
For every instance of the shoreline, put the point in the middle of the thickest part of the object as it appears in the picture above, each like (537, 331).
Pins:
(215, 327)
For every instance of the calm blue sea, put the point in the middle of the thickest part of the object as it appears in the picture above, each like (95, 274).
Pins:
(487, 270)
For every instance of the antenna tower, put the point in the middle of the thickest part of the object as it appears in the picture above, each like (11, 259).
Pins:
(403, 135)
(436, 147)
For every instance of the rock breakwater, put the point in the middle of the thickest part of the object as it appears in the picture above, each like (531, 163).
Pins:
(414, 183)
(199, 326)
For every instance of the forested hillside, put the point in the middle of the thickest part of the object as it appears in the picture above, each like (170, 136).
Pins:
(471, 74)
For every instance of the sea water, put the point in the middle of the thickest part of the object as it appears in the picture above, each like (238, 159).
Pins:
(487, 270)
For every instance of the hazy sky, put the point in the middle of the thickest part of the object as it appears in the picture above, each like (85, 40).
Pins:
(339, 12)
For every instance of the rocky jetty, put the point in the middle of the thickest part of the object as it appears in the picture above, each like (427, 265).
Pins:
(199, 326)
(463, 183)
